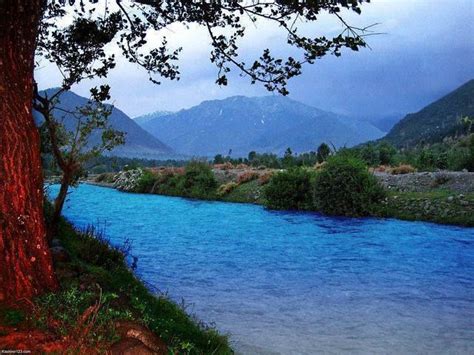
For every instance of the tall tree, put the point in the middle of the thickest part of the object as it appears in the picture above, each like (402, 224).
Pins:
(72, 149)
(25, 262)
(26, 265)
(323, 152)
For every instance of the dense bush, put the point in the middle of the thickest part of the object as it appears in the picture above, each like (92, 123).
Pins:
(168, 183)
(345, 187)
(464, 159)
(146, 182)
(291, 189)
(198, 180)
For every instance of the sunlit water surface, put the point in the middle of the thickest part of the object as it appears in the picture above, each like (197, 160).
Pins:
(297, 283)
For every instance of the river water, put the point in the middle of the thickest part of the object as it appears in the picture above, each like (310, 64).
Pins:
(297, 283)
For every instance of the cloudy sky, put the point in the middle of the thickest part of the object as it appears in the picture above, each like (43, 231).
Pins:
(426, 49)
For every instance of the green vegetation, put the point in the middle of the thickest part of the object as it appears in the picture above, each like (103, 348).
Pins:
(11, 317)
(249, 192)
(196, 181)
(454, 153)
(439, 206)
(323, 152)
(290, 190)
(96, 281)
(344, 187)
(273, 161)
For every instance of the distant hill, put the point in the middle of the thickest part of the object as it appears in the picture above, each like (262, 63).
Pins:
(435, 121)
(141, 120)
(385, 123)
(138, 142)
(263, 124)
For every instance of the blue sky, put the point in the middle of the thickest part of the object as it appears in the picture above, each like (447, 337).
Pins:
(425, 51)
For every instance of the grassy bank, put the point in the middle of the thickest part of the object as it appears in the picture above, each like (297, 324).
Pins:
(97, 291)
(439, 206)
(296, 189)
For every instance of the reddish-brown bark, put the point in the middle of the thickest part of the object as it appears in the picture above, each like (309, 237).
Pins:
(25, 260)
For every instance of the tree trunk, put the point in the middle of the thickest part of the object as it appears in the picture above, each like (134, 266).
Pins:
(25, 260)
(59, 203)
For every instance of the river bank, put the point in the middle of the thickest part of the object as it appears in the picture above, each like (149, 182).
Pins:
(441, 197)
(102, 307)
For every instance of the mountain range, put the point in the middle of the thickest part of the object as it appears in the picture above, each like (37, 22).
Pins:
(264, 124)
(141, 120)
(436, 121)
(241, 124)
(138, 142)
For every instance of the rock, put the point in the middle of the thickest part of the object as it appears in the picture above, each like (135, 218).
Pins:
(461, 196)
(464, 203)
(137, 339)
(59, 254)
(450, 198)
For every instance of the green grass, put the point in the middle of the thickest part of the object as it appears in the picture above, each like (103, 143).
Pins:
(249, 192)
(439, 206)
(11, 317)
(97, 273)
(432, 206)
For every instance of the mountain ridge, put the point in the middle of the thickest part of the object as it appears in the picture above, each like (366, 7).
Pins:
(138, 142)
(264, 123)
(435, 121)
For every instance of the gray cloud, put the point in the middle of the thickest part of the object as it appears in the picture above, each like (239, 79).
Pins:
(426, 51)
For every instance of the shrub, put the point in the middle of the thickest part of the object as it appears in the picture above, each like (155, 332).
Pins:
(167, 183)
(345, 187)
(386, 153)
(225, 189)
(323, 152)
(462, 157)
(402, 169)
(128, 180)
(146, 182)
(198, 180)
(247, 176)
(291, 189)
